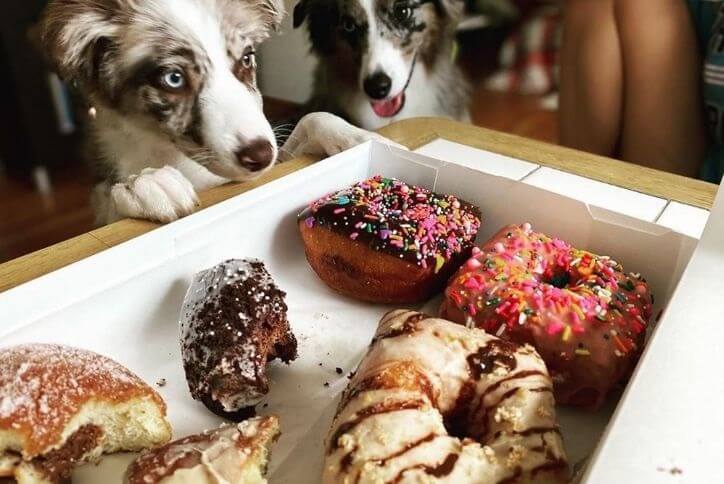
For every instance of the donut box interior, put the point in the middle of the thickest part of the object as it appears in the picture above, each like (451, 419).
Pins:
(125, 303)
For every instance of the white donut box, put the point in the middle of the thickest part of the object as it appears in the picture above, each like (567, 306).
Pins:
(668, 425)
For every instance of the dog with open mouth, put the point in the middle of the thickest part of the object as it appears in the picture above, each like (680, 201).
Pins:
(385, 60)
(177, 109)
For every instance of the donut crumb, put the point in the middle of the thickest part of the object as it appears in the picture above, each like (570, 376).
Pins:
(515, 456)
(508, 414)
(543, 412)
(490, 454)
(673, 470)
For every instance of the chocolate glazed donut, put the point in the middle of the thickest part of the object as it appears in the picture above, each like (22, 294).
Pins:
(433, 401)
(233, 322)
(384, 241)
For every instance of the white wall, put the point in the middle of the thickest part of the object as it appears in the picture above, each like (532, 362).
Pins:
(285, 65)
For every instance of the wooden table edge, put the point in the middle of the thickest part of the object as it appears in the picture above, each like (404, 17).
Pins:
(412, 133)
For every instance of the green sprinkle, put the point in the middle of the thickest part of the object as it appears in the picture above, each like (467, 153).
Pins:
(493, 302)
(628, 285)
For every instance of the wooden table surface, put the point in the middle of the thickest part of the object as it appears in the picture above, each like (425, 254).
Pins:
(412, 133)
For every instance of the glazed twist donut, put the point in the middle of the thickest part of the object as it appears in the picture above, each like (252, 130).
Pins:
(433, 401)
(584, 315)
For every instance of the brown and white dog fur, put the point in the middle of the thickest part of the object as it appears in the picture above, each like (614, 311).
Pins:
(385, 60)
(173, 83)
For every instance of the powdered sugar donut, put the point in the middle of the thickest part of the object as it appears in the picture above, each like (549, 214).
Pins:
(63, 406)
(585, 315)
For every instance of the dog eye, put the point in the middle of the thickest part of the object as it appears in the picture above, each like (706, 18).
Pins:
(348, 24)
(402, 12)
(248, 59)
(174, 80)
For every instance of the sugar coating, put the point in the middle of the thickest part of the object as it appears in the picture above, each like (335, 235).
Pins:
(42, 386)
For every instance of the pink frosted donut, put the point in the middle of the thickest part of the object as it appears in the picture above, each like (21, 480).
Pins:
(584, 315)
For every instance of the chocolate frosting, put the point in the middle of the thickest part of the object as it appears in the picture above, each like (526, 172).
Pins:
(398, 219)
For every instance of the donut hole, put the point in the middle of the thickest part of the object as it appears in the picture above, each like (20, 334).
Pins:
(560, 279)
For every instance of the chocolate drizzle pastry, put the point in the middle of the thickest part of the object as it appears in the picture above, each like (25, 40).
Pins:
(405, 221)
(436, 402)
(233, 322)
(231, 454)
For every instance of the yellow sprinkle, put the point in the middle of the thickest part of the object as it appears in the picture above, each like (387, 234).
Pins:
(583, 352)
(567, 333)
(439, 262)
(578, 311)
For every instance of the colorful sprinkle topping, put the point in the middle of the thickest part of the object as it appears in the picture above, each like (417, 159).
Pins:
(523, 278)
(403, 220)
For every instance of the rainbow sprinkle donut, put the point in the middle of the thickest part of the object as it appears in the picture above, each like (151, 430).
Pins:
(584, 315)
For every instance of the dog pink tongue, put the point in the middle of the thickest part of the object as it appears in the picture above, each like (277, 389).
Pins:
(388, 107)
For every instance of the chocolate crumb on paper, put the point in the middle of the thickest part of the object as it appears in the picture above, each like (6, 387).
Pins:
(161, 383)
(674, 471)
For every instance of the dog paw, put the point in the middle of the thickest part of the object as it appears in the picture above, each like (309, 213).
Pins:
(157, 194)
(327, 134)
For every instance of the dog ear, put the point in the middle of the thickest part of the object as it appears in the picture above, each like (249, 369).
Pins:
(76, 34)
(300, 13)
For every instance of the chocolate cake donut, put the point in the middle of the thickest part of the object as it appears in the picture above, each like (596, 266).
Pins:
(234, 321)
(384, 241)
(61, 407)
(231, 454)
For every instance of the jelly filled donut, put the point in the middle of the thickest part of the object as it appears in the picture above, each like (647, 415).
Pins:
(61, 407)
(433, 401)
(384, 241)
(233, 322)
(584, 315)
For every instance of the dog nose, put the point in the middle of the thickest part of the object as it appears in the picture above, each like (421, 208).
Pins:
(256, 155)
(377, 86)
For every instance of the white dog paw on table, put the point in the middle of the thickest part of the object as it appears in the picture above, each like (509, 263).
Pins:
(158, 194)
(326, 134)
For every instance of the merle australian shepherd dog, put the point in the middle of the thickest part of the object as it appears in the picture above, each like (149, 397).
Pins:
(173, 85)
(385, 60)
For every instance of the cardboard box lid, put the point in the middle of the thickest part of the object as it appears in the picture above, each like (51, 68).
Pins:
(669, 426)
